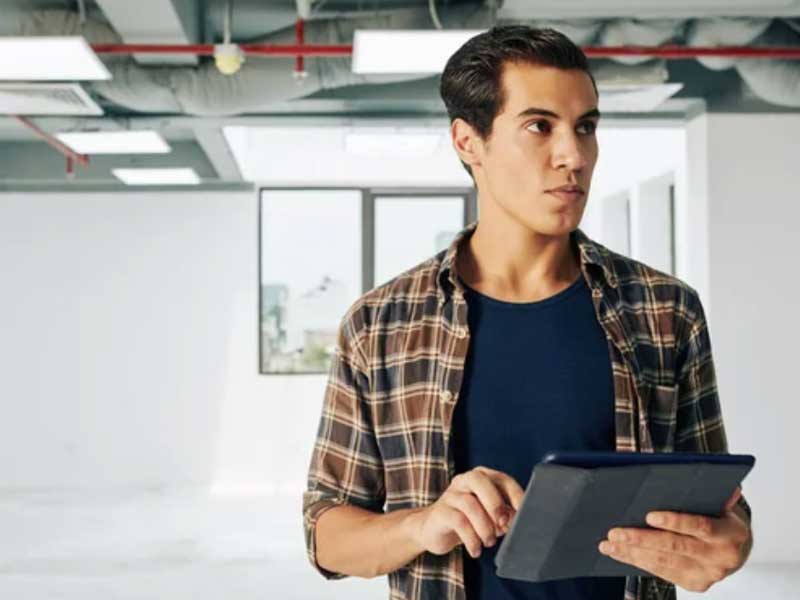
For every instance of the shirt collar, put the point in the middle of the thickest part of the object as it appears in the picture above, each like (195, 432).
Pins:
(590, 253)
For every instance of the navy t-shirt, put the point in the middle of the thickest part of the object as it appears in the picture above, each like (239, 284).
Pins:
(537, 378)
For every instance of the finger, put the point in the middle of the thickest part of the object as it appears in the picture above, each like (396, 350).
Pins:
(665, 541)
(478, 482)
(672, 567)
(508, 486)
(699, 526)
(733, 499)
(458, 522)
(481, 522)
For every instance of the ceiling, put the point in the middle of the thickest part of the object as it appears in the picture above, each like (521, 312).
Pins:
(343, 100)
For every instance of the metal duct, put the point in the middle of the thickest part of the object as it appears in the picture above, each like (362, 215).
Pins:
(202, 90)
(723, 32)
(776, 81)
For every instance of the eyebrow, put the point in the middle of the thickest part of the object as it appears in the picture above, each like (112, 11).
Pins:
(528, 112)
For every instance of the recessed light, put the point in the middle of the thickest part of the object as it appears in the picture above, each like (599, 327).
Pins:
(115, 142)
(167, 176)
(48, 58)
(409, 51)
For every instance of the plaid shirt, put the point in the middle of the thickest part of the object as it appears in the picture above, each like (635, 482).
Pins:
(383, 441)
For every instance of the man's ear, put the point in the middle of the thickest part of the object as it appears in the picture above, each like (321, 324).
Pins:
(466, 142)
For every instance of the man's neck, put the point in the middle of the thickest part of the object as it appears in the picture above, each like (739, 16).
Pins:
(517, 265)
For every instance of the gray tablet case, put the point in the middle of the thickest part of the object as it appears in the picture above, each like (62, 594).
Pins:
(567, 511)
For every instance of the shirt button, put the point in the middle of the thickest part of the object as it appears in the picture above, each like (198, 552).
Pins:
(461, 333)
(447, 395)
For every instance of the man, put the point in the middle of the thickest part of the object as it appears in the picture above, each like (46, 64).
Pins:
(451, 381)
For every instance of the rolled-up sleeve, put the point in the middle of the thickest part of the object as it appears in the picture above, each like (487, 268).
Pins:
(345, 466)
(699, 426)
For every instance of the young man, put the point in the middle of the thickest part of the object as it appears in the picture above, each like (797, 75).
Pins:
(451, 381)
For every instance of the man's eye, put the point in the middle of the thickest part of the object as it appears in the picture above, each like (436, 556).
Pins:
(590, 127)
(544, 126)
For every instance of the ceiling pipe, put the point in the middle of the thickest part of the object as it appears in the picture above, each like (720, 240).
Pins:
(290, 50)
(300, 50)
(69, 153)
(300, 72)
(203, 90)
(228, 23)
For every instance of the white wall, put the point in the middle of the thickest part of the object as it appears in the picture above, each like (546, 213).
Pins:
(691, 210)
(651, 220)
(622, 169)
(754, 215)
(616, 230)
(129, 346)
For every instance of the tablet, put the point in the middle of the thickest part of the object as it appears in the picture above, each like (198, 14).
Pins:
(574, 498)
(590, 460)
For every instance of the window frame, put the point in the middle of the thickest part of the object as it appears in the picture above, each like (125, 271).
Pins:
(368, 202)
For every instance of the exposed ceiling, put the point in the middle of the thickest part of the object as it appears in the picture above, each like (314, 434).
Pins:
(147, 90)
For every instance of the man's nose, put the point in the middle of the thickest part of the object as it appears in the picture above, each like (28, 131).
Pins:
(568, 152)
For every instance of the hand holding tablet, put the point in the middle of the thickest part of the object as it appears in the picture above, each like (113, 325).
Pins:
(693, 551)
(574, 499)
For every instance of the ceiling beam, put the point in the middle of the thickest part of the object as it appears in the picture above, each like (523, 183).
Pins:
(214, 144)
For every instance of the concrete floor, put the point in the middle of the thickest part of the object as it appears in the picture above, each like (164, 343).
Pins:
(174, 545)
(180, 544)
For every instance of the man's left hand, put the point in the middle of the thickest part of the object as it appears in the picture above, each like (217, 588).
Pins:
(692, 551)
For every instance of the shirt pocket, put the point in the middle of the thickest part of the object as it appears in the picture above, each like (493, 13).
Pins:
(662, 412)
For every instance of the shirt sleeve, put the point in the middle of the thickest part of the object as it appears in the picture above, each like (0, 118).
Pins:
(699, 426)
(345, 466)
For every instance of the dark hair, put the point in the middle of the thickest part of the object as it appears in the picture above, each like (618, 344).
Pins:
(470, 85)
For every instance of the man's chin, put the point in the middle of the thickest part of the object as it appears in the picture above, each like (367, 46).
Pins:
(556, 224)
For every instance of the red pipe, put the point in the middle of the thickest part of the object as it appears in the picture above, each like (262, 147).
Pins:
(208, 49)
(81, 159)
(298, 29)
(299, 50)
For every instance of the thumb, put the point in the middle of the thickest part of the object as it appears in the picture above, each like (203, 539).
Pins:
(733, 499)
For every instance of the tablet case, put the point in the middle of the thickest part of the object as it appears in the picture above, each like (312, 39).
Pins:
(567, 511)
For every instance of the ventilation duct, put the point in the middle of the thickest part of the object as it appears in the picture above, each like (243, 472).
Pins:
(202, 90)
(46, 99)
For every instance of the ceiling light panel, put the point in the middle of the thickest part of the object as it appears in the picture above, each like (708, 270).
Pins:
(45, 58)
(410, 51)
(115, 142)
(179, 176)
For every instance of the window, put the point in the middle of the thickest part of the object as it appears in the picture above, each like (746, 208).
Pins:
(321, 249)
(409, 229)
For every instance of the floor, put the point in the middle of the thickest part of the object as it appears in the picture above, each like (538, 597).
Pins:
(181, 544)
(158, 545)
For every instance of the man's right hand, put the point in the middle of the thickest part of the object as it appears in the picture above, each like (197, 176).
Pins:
(475, 509)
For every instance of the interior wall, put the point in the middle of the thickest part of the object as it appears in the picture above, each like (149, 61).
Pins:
(754, 210)
(129, 347)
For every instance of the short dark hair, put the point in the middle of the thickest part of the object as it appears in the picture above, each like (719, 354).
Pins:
(470, 84)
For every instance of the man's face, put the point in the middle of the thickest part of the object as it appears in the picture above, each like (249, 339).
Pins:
(543, 138)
